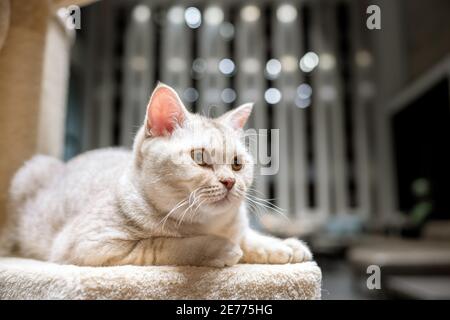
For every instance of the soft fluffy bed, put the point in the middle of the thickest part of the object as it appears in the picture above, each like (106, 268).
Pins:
(31, 279)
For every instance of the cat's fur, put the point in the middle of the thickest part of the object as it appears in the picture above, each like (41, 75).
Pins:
(111, 206)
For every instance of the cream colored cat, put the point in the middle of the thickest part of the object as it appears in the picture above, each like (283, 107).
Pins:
(176, 199)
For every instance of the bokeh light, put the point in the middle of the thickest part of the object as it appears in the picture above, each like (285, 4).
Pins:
(309, 61)
(327, 61)
(228, 95)
(193, 17)
(141, 13)
(363, 58)
(250, 13)
(273, 68)
(288, 63)
(190, 95)
(286, 13)
(176, 15)
(213, 15)
(302, 103)
(272, 96)
(304, 91)
(226, 30)
(176, 64)
(226, 66)
(250, 65)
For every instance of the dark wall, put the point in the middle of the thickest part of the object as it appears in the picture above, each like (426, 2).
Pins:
(427, 29)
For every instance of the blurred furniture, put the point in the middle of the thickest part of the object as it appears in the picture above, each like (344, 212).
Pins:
(401, 256)
(398, 259)
(30, 279)
(420, 120)
(437, 230)
(419, 287)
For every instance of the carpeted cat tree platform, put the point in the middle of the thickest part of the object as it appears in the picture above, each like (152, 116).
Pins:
(31, 279)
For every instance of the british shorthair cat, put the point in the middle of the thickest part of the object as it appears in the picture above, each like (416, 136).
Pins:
(178, 198)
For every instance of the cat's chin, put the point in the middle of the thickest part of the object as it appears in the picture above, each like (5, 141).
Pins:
(225, 202)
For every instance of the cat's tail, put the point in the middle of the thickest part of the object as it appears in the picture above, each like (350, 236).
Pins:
(34, 175)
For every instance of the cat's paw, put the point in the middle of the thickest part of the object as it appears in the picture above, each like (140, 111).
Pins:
(222, 254)
(262, 249)
(272, 252)
(300, 250)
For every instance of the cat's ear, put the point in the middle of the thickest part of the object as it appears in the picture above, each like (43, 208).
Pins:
(237, 118)
(165, 111)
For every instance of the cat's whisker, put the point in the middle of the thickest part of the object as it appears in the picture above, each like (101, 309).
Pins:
(193, 193)
(258, 191)
(197, 200)
(179, 205)
(255, 209)
(191, 204)
(268, 201)
(270, 207)
(180, 221)
(196, 211)
(262, 203)
(166, 217)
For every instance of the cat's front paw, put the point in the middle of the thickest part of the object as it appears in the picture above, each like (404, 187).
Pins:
(222, 254)
(300, 250)
(227, 259)
(275, 251)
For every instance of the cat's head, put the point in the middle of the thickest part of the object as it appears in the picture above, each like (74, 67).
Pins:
(188, 160)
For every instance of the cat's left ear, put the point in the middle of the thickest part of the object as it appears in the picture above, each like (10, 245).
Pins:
(165, 111)
(237, 118)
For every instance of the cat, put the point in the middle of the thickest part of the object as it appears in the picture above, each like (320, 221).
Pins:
(178, 198)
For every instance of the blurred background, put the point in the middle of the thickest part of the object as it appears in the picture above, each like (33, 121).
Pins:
(364, 117)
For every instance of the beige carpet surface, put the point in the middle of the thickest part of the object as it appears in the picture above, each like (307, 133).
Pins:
(31, 279)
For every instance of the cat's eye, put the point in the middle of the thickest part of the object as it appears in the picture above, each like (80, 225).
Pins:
(237, 164)
(200, 157)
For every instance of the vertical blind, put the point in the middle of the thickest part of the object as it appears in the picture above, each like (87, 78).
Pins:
(307, 66)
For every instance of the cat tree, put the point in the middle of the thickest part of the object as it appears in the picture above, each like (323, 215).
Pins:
(34, 61)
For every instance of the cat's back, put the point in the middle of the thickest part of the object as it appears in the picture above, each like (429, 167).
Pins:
(80, 178)
(50, 193)
(98, 165)
(93, 174)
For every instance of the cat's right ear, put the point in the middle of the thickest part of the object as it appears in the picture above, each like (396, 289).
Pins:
(165, 112)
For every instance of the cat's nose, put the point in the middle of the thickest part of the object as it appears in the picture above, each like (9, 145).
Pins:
(228, 183)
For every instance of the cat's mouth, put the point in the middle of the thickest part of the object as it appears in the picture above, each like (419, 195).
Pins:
(226, 197)
(217, 197)
(220, 198)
